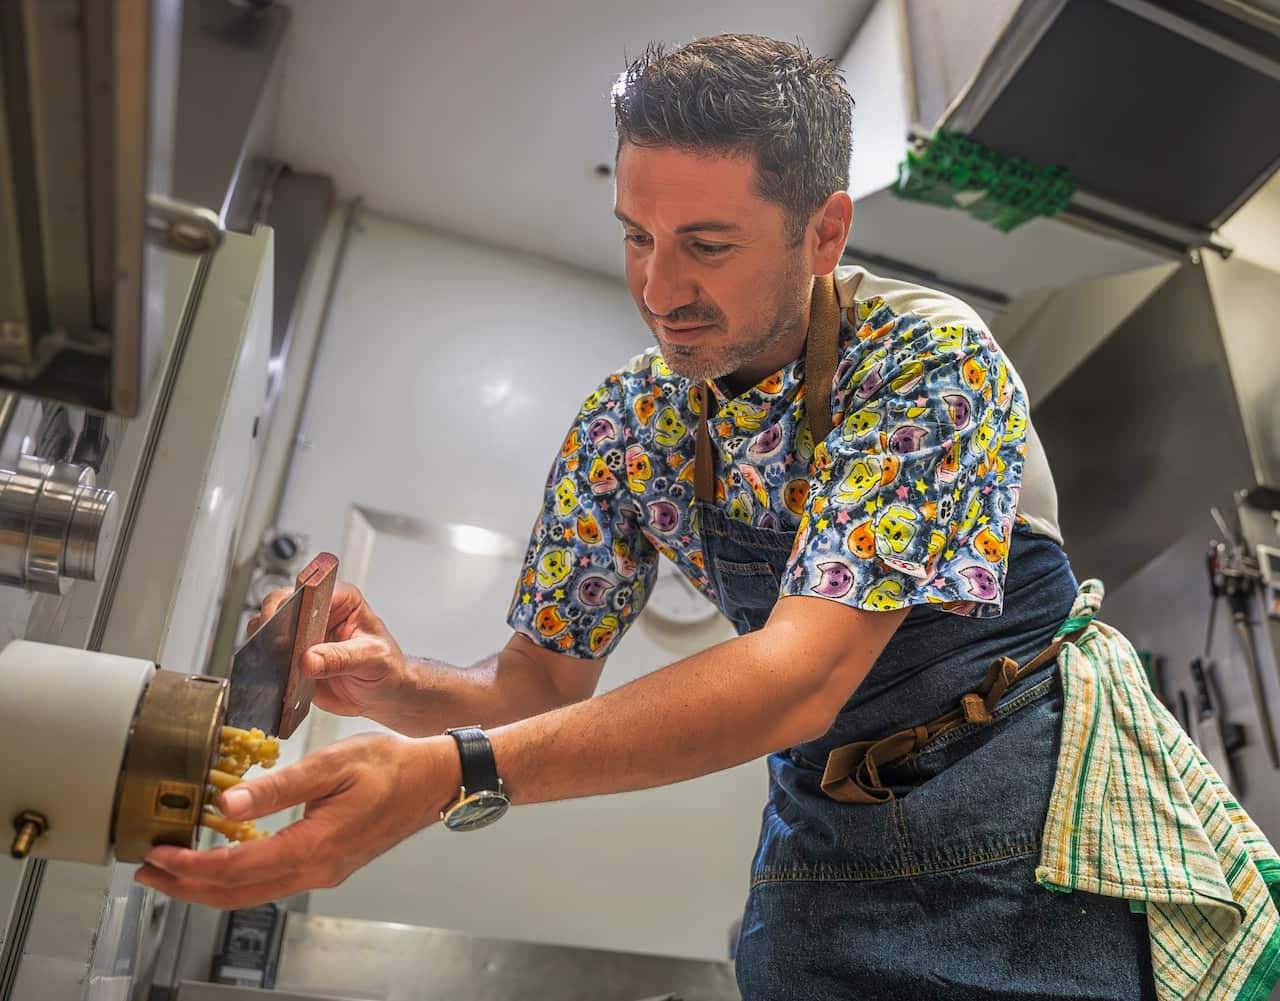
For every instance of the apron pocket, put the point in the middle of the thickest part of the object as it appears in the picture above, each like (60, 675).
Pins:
(749, 585)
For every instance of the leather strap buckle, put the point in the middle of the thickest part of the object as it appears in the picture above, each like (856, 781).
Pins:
(975, 709)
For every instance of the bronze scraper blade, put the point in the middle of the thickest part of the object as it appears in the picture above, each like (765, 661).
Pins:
(268, 689)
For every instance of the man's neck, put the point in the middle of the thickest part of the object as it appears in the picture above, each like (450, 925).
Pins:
(788, 350)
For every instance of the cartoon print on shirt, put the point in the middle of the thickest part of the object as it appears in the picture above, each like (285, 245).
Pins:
(589, 530)
(836, 580)
(639, 469)
(664, 516)
(753, 480)
(861, 423)
(554, 567)
(885, 597)
(907, 438)
(601, 477)
(975, 374)
(645, 407)
(549, 622)
(911, 499)
(862, 540)
(794, 494)
(668, 428)
(566, 496)
(601, 430)
(960, 409)
(864, 477)
(895, 529)
(744, 415)
(982, 583)
(603, 634)
(992, 547)
(765, 445)
(593, 590)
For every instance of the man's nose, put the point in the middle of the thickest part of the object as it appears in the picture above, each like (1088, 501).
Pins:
(666, 286)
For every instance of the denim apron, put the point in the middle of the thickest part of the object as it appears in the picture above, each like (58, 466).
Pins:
(931, 894)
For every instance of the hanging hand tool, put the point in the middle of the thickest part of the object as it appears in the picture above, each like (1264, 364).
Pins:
(1217, 738)
(1183, 716)
(1234, 576)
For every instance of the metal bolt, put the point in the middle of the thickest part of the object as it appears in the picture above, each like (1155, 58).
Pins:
(28, 826)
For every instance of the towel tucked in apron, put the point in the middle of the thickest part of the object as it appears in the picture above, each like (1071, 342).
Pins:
(1138, 813)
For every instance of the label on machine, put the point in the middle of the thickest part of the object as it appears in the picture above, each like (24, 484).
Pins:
(249, 947)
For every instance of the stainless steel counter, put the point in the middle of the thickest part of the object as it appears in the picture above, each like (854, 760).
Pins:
(340, 958)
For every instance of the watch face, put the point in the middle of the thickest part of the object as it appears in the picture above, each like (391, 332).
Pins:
(477, 810)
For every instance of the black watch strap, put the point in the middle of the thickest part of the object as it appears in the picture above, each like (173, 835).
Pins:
(479, 770)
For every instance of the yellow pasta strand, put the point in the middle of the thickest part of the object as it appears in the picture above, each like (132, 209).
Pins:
(238, 751)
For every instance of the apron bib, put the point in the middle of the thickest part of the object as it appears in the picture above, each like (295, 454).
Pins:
(929, 892)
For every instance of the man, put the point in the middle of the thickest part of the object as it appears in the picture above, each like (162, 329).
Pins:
(846, 466)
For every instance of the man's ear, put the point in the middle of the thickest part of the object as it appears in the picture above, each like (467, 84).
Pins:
(828, 232)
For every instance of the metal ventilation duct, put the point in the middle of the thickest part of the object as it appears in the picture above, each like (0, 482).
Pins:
(1159, 111)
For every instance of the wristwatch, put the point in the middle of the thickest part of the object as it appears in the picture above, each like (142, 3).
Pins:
(481, 800)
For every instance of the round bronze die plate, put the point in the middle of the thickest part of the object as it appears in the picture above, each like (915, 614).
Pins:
(173, 744)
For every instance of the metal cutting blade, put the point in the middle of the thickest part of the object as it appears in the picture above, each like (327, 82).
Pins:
(268, 689)
(260, 671)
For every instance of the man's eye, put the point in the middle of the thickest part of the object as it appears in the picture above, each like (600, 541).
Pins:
(636, 239)
(711, 249)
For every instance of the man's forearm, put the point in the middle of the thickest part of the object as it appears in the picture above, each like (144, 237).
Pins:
(502, 688)
(719, 708)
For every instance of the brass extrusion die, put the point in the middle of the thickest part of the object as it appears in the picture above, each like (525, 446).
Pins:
(173, 745)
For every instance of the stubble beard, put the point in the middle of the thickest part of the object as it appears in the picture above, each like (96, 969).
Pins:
(701, 363)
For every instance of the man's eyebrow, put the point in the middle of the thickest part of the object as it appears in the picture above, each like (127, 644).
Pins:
(710, 226)
(703, 226)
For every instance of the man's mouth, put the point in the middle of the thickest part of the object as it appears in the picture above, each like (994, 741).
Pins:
(684, 333)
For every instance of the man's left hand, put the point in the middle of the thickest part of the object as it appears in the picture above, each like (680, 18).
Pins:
(363, 795)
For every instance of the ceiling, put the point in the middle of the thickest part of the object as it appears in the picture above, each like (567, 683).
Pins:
(488, 118)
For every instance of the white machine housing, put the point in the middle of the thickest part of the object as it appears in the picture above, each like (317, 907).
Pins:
(64, 725)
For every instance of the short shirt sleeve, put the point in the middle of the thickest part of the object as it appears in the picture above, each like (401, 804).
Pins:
(913, 495)
(588, 569)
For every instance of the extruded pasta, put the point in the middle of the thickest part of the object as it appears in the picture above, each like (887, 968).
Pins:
(238, 751)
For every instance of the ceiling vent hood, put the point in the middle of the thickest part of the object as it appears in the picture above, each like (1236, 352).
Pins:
(1164, 116)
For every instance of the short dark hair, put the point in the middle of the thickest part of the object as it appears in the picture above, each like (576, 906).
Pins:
(746, 95)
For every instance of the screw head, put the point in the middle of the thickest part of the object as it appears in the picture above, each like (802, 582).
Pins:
(30, 817)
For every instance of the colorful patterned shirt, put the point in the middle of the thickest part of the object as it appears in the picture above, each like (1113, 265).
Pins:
(911, 498)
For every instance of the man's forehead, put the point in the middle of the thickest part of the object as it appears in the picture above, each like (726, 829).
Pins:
(685, 190)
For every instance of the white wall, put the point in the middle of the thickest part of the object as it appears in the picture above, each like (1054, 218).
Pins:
(446, 379)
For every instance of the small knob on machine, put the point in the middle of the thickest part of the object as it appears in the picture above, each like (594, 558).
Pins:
(27, 826)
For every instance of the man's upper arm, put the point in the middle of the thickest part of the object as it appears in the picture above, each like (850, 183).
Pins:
(588, 568)
(836, 643)
(571, 678)
(915, 494)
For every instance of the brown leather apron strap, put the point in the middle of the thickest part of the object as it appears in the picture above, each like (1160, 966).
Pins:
(822, 344)
(852, 774)
(704, 467)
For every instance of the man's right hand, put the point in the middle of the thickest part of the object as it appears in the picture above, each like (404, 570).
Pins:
(359, 667)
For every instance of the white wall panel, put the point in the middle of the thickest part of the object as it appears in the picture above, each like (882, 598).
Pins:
(446, 379)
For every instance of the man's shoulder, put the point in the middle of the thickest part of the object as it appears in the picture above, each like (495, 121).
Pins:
(866, 297)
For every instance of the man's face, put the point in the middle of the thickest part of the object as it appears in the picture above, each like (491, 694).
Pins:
(709, 266)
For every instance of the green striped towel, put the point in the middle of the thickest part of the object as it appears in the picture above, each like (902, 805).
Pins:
(1138, 812)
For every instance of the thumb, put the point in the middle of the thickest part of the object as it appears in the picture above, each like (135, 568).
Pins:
(302, 782)
(363, 655)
